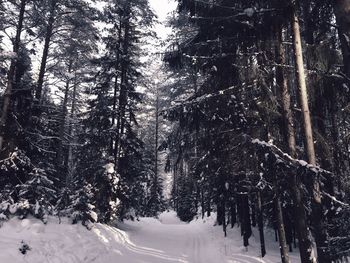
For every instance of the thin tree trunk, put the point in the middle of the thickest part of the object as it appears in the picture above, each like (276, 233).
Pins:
(305, 244)
(49, 28)
(279, 214)
(319, 229)
(261, 224)
(233, 213)
(202, 202)
(156, 139)
(303, 96)
(114, 115)
(63, 116)
(224, 221)
(70, 173)
(279, 217)
(246, 224)
(11, 74)
(280, 227)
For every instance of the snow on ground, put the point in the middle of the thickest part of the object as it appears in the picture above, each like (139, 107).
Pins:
(146, 241)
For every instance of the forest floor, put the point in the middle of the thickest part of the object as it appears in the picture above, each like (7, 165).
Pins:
(148, 240)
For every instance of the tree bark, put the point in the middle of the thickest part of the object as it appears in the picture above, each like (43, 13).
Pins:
(303, 95)
(281, 229)
(48, 36)
(278, 211)
(72, 140)
(261, 224)
(317, 215)
(156, 140)
(62, 120)
(279, 217)
(11, 74)
(305, 244)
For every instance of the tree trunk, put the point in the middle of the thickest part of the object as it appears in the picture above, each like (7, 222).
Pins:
(123, 94)
(278, 212)
(253, 214)
(279, 217)
(305, 244)
(246, 224)
(303, 96)
(202, 202)
(114, 115)
(49, 28)
(156, 139)
(11, 74)
(281, 229)
(60, 158)
(317, 215)
(72, 139)
(342, 14)
(261, 225)
(233, 213)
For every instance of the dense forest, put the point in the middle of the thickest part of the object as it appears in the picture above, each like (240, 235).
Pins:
(245, 106)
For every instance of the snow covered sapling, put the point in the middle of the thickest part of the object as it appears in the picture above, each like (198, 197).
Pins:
(83, 209)
(39, 193)
(106, 193)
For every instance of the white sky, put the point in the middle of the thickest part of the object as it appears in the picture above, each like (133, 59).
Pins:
(162, 8)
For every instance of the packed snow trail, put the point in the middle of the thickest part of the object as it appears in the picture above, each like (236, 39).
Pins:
(163, 240)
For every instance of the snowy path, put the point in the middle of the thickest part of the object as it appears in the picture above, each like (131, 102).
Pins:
(166, 240)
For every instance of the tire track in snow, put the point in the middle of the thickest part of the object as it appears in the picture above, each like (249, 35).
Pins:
(247, 259)
(142, 250)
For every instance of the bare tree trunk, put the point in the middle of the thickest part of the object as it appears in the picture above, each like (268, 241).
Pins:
(281, 230)
(11, 74)
(72, 139)
(48, 36)
(317, 215)
(305, 244)
(261, 224)
(278, 209)
(279, 216)
(63, 116)
(156, 141)
(303, 96)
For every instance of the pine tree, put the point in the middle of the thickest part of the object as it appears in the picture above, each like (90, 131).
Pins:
(39, 193)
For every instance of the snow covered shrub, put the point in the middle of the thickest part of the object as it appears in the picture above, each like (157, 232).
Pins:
(37, 195)
(14, 169)
(107, 188)
(64, 202)
(82, 208)
(6, 201)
